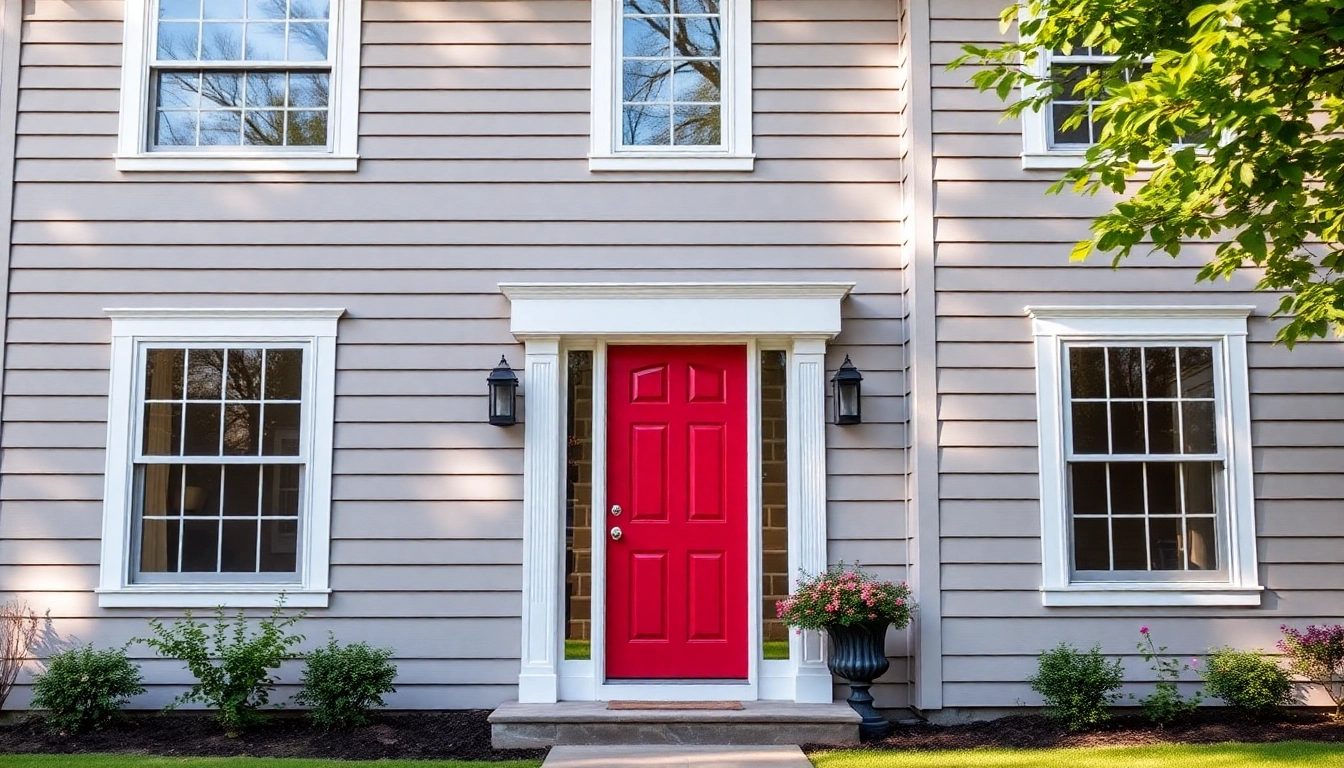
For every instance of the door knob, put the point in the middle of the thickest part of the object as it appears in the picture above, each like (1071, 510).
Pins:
(615, 510)
(615, 533)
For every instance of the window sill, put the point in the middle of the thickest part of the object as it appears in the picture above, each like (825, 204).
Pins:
(1116, 594)
(1043, 161)
(662, 162)
(194, 162)
(203, 596)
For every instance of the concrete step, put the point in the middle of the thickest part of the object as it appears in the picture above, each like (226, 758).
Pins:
(708, 756)
(582, 723)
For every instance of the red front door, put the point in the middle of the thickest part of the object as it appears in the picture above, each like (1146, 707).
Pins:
(677, 468)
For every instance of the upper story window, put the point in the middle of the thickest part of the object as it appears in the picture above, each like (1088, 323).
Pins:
(671, 85)
(219, 457)
(1048, 143)
(1145, 456)
(240, 85)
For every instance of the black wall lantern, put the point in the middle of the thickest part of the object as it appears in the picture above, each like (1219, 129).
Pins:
(848, 386)
(503, 386)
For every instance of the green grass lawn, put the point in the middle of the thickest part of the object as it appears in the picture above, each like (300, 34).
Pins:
(1288, 754)
(136, 761)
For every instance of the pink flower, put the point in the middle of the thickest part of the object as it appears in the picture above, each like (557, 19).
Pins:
(1143, 630)
(1194, 662)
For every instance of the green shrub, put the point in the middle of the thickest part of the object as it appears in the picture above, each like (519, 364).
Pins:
(84, 689)
(1078, 688)
(1247, 681)
(342, 683)
(232, 666)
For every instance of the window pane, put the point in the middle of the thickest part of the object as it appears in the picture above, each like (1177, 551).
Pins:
(1163, 435)
(306, 129)
(645, 36)
(1199, 428)
(284, 374)
(221, 41)
(238, 549)
(223, 9)
(1160, 363)
(205, 373)
(201, 496)
(265, 42)
(1127, 427)
(1089, 428)
(1196, 372)
(1166, 543)
(1130, 537)
(279, 546)
(162, 429)
(579, 506)
(163, 374)
(1126, 489)
(220, 128)
(1201, 547)
(646, 81)
(1164, 489)
(647, 125)
(1126, 371)
(774, 502)
(265, 9)
(202, 430)
(264, 128)
(265, 89)
(179, 41)
(1087, 488)
(697, 6)
(282, 430)
(696, 124)
(1091, 544)
(241, 488)
(179, 9)
(696, 37)
(200, 545)
(309, 90)
(1079, 134)
(242, 427)
(280, 490)
(179, 90)
(244, 379)
(159, 540)
(696, 81)
(307, 41)
(1199, 494)
(1087, 372)
(309, 9)
(160, 489)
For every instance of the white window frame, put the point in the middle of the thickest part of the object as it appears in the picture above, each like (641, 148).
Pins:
(132, 330)
(1237, 581)
(341, 154)
(1039, 150)
(735, 154)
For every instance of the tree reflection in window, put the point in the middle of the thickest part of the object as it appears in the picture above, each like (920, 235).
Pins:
(671, 61)
(208, 103)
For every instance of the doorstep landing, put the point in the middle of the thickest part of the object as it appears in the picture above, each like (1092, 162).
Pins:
(701, 756)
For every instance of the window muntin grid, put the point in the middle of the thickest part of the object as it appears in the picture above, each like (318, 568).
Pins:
(671, 60)
(219, 462)
(1144, 457)
(1070, 69)
(231, 73)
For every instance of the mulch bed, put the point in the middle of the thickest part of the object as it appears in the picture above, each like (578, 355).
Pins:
(412, 736)
(1037, 731)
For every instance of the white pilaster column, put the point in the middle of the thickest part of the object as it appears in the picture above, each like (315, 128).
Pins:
(807, 503)
(543, 460)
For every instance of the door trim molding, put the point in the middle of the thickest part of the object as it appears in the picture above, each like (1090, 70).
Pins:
(552, 317)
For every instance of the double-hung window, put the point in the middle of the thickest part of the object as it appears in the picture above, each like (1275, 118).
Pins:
(219, 457)
(671, 85)
(1048, 143)
(1145, 456)
(240, 84)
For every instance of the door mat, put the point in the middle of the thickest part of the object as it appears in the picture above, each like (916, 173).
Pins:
(674, 705)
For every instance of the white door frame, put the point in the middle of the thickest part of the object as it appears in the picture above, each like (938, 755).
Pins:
(549, 318)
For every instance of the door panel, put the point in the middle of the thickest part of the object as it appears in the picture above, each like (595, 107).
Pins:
(677, 466)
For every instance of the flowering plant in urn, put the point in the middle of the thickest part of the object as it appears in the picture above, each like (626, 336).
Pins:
(845, 596)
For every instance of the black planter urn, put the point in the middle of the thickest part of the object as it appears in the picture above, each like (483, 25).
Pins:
(858, 655)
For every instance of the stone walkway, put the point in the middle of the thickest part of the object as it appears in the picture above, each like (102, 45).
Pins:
(671, 756)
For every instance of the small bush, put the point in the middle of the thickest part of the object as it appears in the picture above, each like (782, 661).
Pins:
(18, 635)
(1247, 681)
(1166, 704)
(1078, 688)
(342, 683)
(1317, 656)
(232, 666)
(84, 689)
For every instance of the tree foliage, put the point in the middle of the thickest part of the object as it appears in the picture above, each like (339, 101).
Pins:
(1231, 116)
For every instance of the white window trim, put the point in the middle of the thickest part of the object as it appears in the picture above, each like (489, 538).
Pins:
(1052, 327)
(606, 153)
(133, 153)
(1037, 153)
(131, 328)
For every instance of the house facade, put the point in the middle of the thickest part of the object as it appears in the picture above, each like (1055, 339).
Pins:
(263, 256)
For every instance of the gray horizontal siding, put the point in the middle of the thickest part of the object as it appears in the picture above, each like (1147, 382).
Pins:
(473, 138)
(1003, 245)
